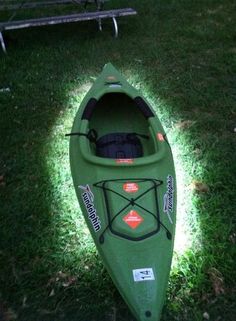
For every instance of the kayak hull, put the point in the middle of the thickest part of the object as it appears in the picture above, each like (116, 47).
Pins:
(129, 204)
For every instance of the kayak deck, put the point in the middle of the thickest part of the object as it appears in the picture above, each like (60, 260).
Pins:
(119, 199)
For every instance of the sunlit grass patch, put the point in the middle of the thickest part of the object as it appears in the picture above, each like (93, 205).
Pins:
(75, 248)
(72, 237)
(59, 172)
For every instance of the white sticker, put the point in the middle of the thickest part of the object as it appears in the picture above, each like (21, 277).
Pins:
(145, 274)
(114, 86)
(169, 198)
(88, 199)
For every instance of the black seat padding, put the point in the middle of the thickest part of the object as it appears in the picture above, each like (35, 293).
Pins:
(119, 146)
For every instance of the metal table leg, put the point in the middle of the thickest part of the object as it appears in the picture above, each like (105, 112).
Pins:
(2, 43)
(99, 8)
(115, 27)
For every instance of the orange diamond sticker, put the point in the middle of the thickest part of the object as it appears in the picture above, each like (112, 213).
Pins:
(133, 219)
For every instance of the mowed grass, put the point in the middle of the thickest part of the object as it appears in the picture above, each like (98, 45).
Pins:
(182, 56)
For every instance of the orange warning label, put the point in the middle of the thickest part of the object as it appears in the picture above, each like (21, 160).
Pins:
(124, 161)
(130, 187)
(160, 137)
(133, 219)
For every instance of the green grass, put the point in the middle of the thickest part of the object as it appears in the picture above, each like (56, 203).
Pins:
(182, 56)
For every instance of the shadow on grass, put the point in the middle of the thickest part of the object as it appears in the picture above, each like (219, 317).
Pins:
(49, 267)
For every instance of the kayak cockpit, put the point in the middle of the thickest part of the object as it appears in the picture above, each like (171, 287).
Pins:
(122, 126)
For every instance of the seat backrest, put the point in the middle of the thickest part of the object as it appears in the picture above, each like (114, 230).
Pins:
(119, 146)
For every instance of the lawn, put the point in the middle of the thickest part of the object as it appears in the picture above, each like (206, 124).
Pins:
(182, 56)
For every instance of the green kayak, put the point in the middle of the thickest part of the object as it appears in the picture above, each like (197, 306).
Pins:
(124, 177)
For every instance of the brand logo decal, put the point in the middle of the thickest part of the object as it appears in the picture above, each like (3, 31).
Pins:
(88, 199)
(130, 187)
(169, 198)
(133, 219)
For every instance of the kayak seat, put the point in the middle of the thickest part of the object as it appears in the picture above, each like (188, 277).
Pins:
(119, 146)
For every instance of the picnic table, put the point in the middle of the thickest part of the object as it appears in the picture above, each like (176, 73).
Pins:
(98, 14)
